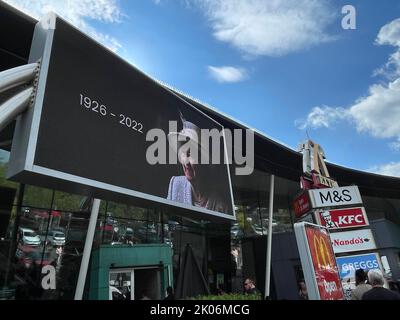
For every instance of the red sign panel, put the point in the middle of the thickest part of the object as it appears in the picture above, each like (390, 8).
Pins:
(324, 263)
(343, 218)
(301, 204)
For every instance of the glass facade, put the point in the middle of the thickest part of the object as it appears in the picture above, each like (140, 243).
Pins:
(49, 228)
(251, 194)
(382, 208)
(41, 227)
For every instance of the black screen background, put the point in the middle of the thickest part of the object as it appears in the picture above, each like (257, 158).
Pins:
(77, 141)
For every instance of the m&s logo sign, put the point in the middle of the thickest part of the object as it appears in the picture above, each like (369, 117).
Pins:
(331, 197)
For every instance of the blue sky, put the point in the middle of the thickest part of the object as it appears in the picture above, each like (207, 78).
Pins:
(282, 66)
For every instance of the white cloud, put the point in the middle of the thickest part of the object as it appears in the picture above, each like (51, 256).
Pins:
(390, 35)
(77, 12)
(270, 28)
(322, 117)
(227, 73)
(378, 113)
(389, 169)
(395, 146)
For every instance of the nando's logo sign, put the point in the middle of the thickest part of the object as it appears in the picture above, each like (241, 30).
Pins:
(323, 255)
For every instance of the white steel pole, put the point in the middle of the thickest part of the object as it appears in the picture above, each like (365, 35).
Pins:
(14, 106)
(269, 241)
(17, 76)
(87, 250)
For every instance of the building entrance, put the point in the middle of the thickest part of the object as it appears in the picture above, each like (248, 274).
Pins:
(130, 272)
(140, 283)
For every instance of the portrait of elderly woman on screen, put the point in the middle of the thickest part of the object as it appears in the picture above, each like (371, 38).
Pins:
(198, 184)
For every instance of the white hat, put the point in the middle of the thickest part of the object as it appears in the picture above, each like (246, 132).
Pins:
(189, 132)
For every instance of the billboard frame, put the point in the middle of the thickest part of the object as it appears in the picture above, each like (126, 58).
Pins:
(21, 164)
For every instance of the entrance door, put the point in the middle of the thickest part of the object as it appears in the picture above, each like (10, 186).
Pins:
(120, 284)
(135, 284)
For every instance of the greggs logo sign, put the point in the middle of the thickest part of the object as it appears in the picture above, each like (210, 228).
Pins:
(323, 255)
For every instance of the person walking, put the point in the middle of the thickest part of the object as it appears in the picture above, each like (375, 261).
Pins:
(303, 294)
(378, 292)
(361, 285)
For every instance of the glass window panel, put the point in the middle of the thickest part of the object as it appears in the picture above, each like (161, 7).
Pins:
(37, 197)
(68, 202)
(4, 156)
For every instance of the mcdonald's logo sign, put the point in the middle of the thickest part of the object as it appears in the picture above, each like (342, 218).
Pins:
(323, 254)
(318, 262)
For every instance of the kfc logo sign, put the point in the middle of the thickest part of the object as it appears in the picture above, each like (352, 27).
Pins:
(342, 218)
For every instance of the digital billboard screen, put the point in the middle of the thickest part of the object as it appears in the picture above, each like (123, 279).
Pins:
(101, 127)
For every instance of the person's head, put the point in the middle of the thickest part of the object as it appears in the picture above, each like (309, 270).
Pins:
(192, 151)
(189, 164)
(186, 143)
(375, 278)
(360, 276)
(327, 216)
(302, 285)
(249, 284)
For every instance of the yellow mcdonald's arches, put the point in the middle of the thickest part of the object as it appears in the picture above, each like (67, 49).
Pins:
(322, 252)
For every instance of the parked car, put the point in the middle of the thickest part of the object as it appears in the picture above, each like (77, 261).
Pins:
(236, 231)
(147, 233)
(129, 232)
(116, 243)
(257, 229)
(57, 238)
(27, 255)
(40, 258)
(53, 238)
(28, 237)
(169, 242)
